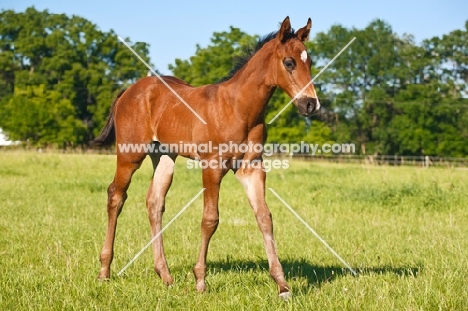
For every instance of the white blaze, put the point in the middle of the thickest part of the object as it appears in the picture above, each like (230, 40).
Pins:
(304, 56)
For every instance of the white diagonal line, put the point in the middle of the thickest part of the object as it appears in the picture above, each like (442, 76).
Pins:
(313, 231)
(312, 81)
(162, 80)
(160, 232)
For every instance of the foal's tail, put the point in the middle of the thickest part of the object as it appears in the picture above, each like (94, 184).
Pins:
(107, 136)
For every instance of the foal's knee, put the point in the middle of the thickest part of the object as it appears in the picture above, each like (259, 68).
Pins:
(210, 223)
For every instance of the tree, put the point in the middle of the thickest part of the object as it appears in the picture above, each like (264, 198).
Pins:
(368, 65)
(432, 104)
(65, 67)
(41, 116)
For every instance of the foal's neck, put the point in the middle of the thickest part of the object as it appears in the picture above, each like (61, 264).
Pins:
(251, 87)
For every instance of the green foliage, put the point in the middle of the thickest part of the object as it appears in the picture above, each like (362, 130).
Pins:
(41, 116)
(391, 96)
(59, 75)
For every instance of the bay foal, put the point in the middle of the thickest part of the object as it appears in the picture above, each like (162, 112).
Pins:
(234, 111)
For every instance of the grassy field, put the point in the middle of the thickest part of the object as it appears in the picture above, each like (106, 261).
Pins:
(404, 229)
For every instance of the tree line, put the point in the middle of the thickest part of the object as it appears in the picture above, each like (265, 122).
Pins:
(385, 93)
(59, 75)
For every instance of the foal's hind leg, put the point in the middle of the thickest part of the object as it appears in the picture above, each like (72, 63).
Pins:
(253, 180)
(127, 164)
(163, 171)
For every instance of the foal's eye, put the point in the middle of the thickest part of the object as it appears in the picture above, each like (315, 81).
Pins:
(289, 63)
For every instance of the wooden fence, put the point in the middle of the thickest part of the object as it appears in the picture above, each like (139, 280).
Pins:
(394, 160)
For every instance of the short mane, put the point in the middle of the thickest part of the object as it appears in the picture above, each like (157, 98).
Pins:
(250, 50)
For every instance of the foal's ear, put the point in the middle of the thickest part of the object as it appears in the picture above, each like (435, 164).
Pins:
(284, 30)
(303, 33)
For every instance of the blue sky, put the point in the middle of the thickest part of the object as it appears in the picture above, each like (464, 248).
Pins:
(173, 28)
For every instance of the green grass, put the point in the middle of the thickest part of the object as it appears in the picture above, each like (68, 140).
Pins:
(404, 229)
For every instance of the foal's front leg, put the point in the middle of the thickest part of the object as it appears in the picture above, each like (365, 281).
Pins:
(253, 180)
(211, 182)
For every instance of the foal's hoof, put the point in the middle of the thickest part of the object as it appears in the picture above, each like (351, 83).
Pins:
(165, 276)
(168, 281)
(285, 296)
(103, 276)
(200, 286)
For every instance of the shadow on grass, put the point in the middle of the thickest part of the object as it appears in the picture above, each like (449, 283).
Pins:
(315, 275)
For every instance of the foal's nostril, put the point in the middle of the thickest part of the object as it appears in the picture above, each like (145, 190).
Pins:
(311, 105)
(308, 106)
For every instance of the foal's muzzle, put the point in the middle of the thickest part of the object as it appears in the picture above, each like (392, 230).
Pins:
(308, 105)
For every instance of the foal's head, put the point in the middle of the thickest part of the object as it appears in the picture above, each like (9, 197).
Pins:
(293, 67)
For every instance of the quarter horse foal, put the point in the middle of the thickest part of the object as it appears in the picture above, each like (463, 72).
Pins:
(149, 113)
